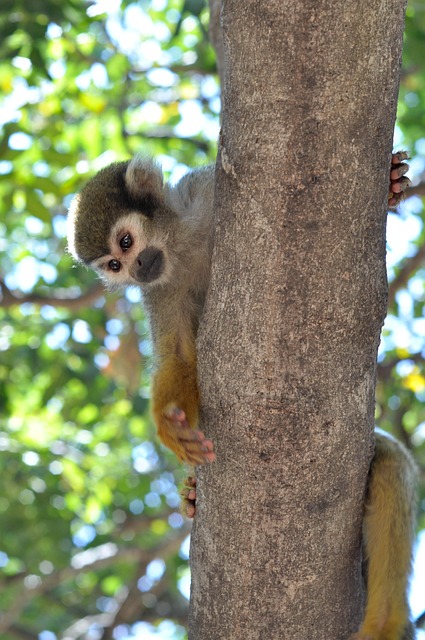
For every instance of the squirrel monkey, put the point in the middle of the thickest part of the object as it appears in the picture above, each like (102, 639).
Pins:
(133, 229)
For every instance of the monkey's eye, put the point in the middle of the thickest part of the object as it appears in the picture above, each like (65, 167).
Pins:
(114, 265)
(126, 242)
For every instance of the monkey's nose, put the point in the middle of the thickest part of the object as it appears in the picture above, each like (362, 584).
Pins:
(149, 264)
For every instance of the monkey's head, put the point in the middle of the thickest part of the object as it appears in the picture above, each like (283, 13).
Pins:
(119, 224)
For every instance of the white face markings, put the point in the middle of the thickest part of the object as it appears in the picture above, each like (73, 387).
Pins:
(114, 267)
(127, 240)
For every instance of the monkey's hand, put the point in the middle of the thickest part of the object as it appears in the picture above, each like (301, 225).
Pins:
(175, 403)
(188, 444)
(398, 181)
(188, 494)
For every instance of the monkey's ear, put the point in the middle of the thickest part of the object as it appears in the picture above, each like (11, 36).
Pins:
(144, 179)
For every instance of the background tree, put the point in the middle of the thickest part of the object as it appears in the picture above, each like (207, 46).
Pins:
(90, 534)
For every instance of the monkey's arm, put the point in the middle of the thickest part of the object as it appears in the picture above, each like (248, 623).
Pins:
(175, 395)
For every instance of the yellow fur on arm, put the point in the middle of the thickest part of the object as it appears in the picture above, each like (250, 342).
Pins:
(174, 386)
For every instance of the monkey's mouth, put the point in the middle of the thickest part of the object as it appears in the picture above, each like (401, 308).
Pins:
(149, 265)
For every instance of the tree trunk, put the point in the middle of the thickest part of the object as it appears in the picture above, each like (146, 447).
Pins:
(287, 348)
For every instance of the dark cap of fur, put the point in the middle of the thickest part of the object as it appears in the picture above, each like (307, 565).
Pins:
(98, 206)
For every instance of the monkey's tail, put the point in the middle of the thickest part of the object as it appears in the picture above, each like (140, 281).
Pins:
(388, 534)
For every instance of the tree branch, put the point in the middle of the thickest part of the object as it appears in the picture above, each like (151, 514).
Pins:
(416, 190)
(16, 631)
(127, 555)
(384, 369)
(11, 298)
(410, 265)
(168, 134)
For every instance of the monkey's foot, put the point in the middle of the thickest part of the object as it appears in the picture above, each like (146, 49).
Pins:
(188, 494)
(188, 444)
(398, 181)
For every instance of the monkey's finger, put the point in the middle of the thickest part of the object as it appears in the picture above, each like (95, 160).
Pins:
(197, 445)
(186, 434)
(208, 445)
(190, 481)
(399, 171)
(188, 494)
(400, 185)
(398, 157)
(188, 508)
(210, 456)
(195, 453)
(197, 458)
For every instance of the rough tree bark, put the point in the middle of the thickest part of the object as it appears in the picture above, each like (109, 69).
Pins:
(287, 348)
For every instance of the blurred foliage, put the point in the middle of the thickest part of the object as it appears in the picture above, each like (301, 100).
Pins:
(91, 541)
(90, 533)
